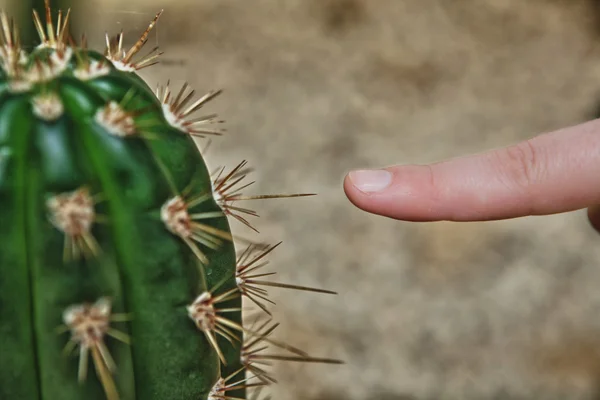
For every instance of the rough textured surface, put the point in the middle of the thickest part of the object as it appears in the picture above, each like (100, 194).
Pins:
(505, 310)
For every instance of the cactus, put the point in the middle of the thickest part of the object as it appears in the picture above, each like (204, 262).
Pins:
(120, 277)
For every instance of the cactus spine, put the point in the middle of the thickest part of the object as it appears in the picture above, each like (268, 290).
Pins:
(118, 271)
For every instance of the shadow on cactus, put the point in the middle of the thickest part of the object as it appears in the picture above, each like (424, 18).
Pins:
(118, 272)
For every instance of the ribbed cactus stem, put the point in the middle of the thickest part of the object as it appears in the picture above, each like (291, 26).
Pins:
(118, 272)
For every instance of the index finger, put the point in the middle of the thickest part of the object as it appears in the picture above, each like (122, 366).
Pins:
(551, 173)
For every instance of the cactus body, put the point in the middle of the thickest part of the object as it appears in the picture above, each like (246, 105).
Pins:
(118, 272)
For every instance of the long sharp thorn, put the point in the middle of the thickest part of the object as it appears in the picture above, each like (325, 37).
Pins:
(258, 275)
(107, 381)
(213, 342)
(106, 357)
(301, 359)
(64, 28)
(59, 22)
(83, 362)
(286, 286)
(49, 25)
(180, 94)
(258, 294)
(38, 26)
(260, 305)
(230, 294)
(123, 337)
(263, 254)
(229, 176)
(272, 196)
(221, 333)
(142, 40)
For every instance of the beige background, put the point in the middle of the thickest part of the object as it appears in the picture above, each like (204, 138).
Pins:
(313, 88)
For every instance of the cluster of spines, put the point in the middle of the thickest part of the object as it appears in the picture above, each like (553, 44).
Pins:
(74, 213)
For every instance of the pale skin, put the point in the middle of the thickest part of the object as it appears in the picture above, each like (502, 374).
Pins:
(551, 173)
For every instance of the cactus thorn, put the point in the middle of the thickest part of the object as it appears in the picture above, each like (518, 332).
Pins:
(205, 315)
(123, 59)
(177, 219)
(89, 325)
(50, 38)
(227, 191)
(178, 115)
(255, 361)
(224, 385)
(73, 213)
(246, 277)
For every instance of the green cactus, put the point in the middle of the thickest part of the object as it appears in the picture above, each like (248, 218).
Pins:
(118, 271)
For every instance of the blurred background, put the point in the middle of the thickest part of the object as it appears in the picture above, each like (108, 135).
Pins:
(314, 88)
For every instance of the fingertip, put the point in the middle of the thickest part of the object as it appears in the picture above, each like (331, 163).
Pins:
(401, 192)
(381, 191)
(354, 195)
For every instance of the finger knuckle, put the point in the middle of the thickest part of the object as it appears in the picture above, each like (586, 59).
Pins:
(522, 165)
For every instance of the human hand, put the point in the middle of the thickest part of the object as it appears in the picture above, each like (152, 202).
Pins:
(552, 173)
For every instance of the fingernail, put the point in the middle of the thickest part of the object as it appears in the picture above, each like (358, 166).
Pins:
(370, 181)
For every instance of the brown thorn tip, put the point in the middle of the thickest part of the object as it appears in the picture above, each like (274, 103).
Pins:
(142, 40)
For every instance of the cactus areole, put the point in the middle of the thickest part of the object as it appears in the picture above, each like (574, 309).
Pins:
(119, 277)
